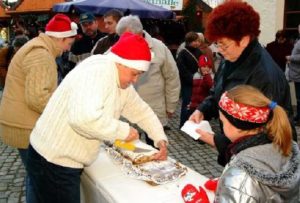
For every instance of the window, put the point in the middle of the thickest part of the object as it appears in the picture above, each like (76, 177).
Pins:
(292, 18)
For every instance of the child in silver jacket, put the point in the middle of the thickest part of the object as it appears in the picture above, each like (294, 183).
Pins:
(264, 162)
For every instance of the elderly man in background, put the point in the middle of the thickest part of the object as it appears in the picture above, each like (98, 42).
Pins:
(160, 85)
(111, 18)
(31, 79)
(84, 111)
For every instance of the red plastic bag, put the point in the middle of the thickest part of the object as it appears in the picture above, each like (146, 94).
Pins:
(191, 194)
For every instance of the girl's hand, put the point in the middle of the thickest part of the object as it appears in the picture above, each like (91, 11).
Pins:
(206, 137)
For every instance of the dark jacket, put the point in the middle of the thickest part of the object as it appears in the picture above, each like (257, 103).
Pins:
(188, 65)
(279, 51)
(254, 67)
(82, 48)
(104, 43)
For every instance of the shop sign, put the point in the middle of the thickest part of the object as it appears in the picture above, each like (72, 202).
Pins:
(168, 4)
(10, 4)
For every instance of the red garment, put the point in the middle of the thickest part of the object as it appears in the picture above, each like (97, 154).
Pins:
(201, 87)
(211, 184)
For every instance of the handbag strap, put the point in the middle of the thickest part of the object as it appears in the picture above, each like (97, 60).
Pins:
(191, 54)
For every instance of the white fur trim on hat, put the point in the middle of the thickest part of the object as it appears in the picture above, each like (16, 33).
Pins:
(142, 65)
(64, 34)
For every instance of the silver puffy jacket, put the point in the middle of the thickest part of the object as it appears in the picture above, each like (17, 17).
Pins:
(261, 174)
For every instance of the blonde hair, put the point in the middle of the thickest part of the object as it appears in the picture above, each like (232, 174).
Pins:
(201, 37)
(278, 127)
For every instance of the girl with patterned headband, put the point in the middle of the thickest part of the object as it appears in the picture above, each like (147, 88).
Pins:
(264, 162)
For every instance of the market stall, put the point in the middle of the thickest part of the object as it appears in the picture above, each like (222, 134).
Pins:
(134, 7)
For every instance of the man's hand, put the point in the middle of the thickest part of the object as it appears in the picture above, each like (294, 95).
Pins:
(133, 135)
(206, 137)
(162, 154)
(197, 116)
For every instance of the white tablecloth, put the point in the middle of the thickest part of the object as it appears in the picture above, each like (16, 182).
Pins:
(104, 182)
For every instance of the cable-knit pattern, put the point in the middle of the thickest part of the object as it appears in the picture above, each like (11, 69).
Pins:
(84, 110)
(30, 81)
(41, 78)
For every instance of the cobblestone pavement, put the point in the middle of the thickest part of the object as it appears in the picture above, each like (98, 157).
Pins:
(201, 158)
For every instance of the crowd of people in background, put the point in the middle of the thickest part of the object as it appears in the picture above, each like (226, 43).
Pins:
(78, 87)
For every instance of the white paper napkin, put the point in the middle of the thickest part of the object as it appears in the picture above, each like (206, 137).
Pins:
(190, 127)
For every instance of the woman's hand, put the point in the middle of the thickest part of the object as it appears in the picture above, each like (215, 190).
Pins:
(162, 154)
(197, 116)
(206, 137)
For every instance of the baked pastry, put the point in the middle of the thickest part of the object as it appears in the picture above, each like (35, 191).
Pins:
(141, 166)
(137, 158)
(127, 150)
(142, 159)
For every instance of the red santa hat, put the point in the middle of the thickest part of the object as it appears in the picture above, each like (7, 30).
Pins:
(131, 50)
(204, 60)
(60, 26)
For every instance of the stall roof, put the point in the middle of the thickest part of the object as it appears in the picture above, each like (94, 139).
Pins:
(99, 7)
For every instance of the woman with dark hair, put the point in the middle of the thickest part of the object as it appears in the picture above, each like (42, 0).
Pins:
(187, 63)
(234, 27)
(280, 48)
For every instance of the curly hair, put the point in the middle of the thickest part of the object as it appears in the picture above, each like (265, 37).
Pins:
(232, 19)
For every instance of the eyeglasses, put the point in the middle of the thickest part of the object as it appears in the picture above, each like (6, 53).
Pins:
(222, 46)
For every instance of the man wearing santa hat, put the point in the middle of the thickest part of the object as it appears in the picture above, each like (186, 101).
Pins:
(160, 85)
(84, 111)
(31, 79)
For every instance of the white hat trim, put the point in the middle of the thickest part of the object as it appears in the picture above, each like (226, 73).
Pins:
(64, 34)
(141, 65)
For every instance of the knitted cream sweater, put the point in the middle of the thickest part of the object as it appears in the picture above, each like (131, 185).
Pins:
(85, 109)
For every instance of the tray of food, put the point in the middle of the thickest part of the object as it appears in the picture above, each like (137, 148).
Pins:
(141, 166)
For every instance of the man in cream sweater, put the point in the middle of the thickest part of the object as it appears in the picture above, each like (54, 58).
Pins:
(160, 85)
(84, 111)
